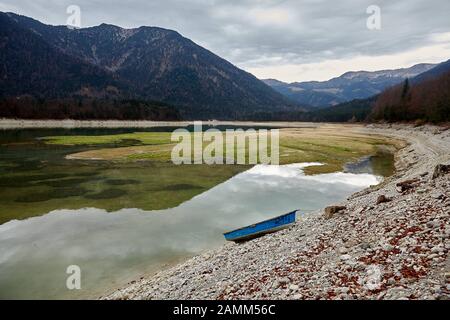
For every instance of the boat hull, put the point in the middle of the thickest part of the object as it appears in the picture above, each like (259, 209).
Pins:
(261, 228)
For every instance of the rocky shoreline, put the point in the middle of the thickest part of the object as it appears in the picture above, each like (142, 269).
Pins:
(9, 124)
(390, 241)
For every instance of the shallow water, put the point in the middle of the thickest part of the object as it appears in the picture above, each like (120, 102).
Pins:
(56, 212)
(114, 248)
(35, 178)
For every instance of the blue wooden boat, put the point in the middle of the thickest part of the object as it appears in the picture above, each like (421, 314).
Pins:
(261, 228)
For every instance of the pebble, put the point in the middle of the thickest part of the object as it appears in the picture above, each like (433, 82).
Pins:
(437, 249)
(293, 287)
(437, 195)
(343, 250)
(433, 224)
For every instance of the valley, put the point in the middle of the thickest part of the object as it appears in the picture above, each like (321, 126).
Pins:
(138, 141)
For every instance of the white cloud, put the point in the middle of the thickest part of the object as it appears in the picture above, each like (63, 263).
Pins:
(443, 37)
(272, 17)
(329, 68)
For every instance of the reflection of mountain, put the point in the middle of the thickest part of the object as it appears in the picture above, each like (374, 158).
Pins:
(349, 86)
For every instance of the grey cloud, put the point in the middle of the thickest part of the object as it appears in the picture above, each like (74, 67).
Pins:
(254, 33)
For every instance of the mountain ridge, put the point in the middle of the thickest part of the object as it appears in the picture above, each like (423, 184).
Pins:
(425, 98)
(346, 87)
(25, 72)
(157, 64)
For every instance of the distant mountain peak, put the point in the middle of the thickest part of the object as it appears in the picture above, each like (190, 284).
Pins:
(402, 72)
(347, 87)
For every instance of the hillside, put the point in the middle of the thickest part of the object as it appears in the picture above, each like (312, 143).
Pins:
(427, 100)
(145, 63)
(424, 97)
(29, 65)
(348, 87)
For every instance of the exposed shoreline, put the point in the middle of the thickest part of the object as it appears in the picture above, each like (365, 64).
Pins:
(391, 250)
(7, 124)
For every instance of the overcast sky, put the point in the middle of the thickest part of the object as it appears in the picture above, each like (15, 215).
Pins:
(291, 40)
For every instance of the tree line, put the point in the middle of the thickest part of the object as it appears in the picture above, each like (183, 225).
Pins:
(427, 101)
(28, 107)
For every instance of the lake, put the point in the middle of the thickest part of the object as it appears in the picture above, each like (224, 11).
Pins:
(58, 212)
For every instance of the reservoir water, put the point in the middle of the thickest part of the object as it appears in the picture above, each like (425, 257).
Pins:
(112, 247)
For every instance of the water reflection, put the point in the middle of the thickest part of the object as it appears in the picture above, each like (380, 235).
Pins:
(112, 248)
(382, 164)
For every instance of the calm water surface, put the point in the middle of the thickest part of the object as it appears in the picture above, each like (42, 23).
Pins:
(112, 248)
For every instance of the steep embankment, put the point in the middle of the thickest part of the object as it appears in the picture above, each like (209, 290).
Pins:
(391, 242)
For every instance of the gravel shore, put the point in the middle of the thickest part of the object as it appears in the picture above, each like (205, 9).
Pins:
(7, 124)
(390, 242)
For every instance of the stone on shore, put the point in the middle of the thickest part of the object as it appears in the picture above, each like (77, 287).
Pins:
(332, 210)
(383, 199)
(440, 170)
(407, 185)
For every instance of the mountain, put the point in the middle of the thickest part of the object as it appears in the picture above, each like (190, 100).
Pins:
(424, 98)
(29, 65)
(349, 86)
(356, 110)
(438, 70)
(146, 63)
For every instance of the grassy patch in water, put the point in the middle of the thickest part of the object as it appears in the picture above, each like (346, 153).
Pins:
(148, 138)
(179, 187)
(143, 185)
(332, 145)
(142, 176)
(22, 181)
(67, 182)
(121, 182)
(58, 193)
(106, 194)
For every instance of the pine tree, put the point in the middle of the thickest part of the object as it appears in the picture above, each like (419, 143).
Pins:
(405, 88)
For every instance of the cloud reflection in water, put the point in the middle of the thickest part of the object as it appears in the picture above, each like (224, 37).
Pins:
(115, 247)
